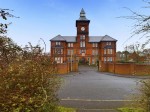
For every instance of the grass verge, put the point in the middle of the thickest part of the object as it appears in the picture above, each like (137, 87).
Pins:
(64, 109)
(126, 109)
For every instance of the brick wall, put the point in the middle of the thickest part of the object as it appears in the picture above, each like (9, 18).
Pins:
(111, 67)
(64, 68)
(142, 69)
(89, 49)
(103, 67)
(125, 68)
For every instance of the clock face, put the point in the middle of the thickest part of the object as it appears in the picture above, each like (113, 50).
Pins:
(82, 28)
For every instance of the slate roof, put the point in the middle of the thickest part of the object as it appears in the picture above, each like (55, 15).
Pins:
(70, 38)
(95, 38)
(101, 38)
(64, 38)
(108, 38)
(91, 38)
(58, 37)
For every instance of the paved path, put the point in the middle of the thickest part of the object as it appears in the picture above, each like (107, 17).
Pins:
(92, 91)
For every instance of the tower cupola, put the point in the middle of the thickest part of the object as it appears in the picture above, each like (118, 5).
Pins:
(82, 15)
(82, 19)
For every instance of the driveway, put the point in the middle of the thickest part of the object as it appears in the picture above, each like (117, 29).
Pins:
(93, 91)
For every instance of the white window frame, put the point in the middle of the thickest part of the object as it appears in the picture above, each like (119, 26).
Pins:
(95, 52)
(82, 37)
(94, 44)
(59, 59)
(105, 51)
(70, 51)
(61, 51)
(82, 43)
(105, 59)
(109, 59)
(109, 51)
(57, 43)
(70, 44)
(108, 43)
(58, 51)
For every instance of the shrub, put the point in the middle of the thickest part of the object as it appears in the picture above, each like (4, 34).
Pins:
(28, 83)
(144, 98)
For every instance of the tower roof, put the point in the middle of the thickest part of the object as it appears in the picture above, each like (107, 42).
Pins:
(82, 15)
(82, 11)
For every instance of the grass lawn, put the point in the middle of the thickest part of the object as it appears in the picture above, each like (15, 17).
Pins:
(130, 110)
(64, 109)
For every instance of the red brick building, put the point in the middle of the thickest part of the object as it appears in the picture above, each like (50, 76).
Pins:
(82, 47)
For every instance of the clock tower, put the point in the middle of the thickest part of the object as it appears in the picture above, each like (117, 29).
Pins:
(82, 24)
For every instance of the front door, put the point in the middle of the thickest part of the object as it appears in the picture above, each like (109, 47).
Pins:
(83, 60)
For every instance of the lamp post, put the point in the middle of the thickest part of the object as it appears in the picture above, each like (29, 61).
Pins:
(44, 44)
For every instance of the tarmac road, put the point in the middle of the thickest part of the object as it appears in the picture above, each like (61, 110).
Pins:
(91, 91)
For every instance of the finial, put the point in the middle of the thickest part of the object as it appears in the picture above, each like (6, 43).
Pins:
(82, 11)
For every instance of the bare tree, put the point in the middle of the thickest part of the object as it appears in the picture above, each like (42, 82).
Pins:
(142, 28)
(142, 22)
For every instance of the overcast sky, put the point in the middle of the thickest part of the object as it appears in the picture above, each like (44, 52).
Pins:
(47, 18)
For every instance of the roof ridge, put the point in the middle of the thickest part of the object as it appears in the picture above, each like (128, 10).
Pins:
(103, 37)
(63, 38)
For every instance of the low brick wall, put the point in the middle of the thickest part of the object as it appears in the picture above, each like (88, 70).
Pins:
(142, 69)
(103, 67)
(64, 68)
(125, 68)
(110, 67)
